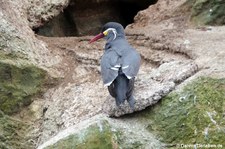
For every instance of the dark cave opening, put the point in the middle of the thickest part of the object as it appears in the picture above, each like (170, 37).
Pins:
(129, 8)
(86, 17)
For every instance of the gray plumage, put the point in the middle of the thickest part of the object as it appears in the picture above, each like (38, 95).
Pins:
(120, 64)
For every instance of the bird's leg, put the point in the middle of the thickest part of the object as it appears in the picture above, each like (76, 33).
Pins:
(118, 103)
(130, 87)
(130, 98)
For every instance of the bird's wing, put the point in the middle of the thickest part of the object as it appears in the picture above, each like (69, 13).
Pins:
(131, 62)
(109, 66)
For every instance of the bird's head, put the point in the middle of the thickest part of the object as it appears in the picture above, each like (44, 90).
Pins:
(110, 31)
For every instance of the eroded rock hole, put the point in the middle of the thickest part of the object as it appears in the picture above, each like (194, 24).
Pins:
(85, 17)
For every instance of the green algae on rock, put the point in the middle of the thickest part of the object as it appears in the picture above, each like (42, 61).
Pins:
(18, 84)
(192, 116)
(13, 133)
(102, 132)
(96, 136)
(207, 12)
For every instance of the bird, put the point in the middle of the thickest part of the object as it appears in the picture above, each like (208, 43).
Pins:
(120, 63)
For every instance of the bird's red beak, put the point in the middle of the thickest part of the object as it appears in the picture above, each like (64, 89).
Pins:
(97, 37)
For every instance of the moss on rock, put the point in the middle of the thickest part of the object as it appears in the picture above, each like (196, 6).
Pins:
(18, 83)
(207, 12)
(96, 136)
(13, 133)
(192, 116)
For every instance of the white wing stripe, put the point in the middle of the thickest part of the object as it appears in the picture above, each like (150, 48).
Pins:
(128, 77)
(114, 68)
(107, 84)
(118, 66)
(124, 67)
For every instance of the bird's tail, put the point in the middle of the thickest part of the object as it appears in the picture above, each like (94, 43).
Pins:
(121, 88)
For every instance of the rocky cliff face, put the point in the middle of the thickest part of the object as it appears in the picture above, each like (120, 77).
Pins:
(51, 94)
